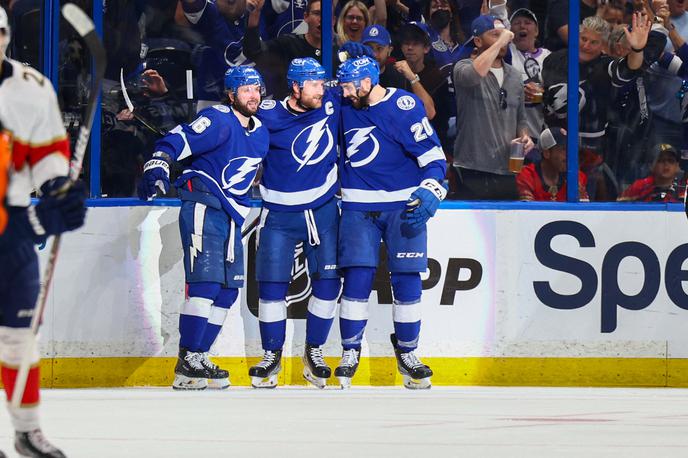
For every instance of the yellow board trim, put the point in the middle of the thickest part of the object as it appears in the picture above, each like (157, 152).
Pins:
(381, 371)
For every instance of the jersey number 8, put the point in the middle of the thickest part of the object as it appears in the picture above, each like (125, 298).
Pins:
(421, 130)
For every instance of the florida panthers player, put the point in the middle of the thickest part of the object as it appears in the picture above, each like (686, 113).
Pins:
(32, 122)
(390, 178)
(298, 186)
(220, 151)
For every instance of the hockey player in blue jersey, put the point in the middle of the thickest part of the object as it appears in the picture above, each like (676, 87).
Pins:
(298, 185)
(220, 152)
(391, 172)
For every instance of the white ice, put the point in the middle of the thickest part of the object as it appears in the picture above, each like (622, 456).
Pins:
(365, 422)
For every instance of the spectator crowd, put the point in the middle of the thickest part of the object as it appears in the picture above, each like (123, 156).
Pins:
(492, 76)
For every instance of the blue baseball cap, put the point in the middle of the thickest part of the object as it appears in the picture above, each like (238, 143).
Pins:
(485, 23)
(422, 26)
(376, 34)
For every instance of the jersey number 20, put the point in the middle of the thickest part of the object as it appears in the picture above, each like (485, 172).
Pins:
(421, 130)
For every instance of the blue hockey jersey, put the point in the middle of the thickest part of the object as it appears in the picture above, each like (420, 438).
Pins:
(225, 41)
(390, 148)
(219, 151)
(300, 171)
(279, 17)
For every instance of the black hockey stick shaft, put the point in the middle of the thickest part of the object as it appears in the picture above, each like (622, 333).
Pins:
(251, 226)
(85, 28)
(149, 125)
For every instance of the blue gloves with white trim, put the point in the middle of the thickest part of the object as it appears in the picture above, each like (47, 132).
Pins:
(424, 202)
(156, 177)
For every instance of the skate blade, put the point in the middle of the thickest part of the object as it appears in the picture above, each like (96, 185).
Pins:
(267, 382)
(344, 382)
(417, 384)
(218, 383)
(318, 382)
(182, 382)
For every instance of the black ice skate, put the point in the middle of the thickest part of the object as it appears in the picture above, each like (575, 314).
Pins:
(217, 378)
(314, 368)
(416, 374)
(34, 444)
(190, 373)
(347, 367)
(265, 373)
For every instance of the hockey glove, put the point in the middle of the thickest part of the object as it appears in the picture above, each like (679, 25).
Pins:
(353, 49)
(156, 177)
(60, 208)
(424, 201)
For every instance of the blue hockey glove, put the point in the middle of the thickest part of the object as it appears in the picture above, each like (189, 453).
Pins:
(156, 177)
(424, 202)
(60, 208)
(353, 49)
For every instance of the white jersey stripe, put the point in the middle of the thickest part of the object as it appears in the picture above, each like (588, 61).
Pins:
(299, 197)
(433, 154)
(370, 197)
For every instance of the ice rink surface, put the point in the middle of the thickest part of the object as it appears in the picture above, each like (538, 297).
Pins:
(366, 422)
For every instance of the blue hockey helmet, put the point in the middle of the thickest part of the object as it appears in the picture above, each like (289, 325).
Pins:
(243, 75)
(304, 69)
(354, 70)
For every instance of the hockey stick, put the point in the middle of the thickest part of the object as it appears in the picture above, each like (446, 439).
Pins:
(85, 28)
(252, 225)
(130, 106)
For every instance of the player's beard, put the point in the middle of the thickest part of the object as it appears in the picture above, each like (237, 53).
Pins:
(244, 109)
(363, 101)
(312, 103)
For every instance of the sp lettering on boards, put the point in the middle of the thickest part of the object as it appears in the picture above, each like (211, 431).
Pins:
(607, 280)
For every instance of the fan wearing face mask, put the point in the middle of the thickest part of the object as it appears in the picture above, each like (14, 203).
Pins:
(446, 34)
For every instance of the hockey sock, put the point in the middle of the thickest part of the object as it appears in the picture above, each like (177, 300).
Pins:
(407, 288)
(195, 312)
(272, 314)
(33, 381)
(353, 314)
(322, 307)
(13, 343)
(218, 314)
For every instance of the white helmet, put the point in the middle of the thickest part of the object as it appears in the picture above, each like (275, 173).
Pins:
(4, 33)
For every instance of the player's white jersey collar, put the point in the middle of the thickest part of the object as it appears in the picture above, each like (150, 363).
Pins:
(256, 121)
(390, 93)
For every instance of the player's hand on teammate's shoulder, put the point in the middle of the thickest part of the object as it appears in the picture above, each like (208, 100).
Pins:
(156, 177)
(353, 49)
(424, 202)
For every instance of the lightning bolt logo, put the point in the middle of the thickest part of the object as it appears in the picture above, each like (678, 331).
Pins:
(360, 136)
(247, 166)
(197, 235)
(315, 134)
(195, 248)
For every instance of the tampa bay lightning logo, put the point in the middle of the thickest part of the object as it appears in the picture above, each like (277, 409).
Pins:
(238, 174)
(362, 144)
(234, 54)
(312, 144)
